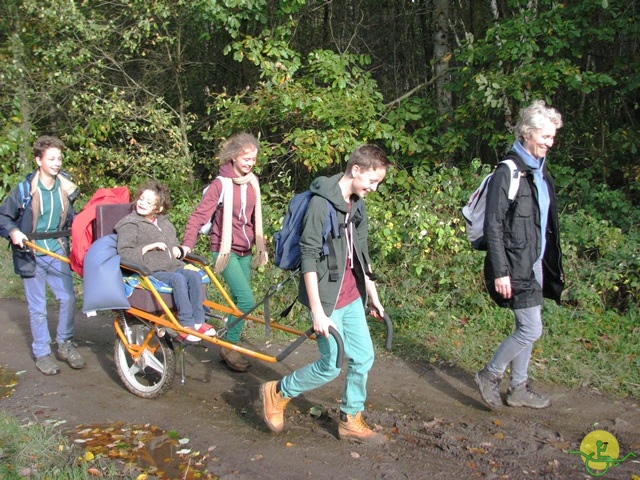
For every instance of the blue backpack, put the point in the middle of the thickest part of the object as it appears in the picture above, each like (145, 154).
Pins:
(287, 239)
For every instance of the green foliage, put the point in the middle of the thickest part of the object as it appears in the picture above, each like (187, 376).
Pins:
(583, 190)
(116, 131)
(603, 264)
(12, 286)
(314, 120)
(123, 142)
(12, 166)
(422, 221)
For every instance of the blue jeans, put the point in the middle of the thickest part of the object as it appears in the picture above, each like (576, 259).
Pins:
(57, 274)
(516, 349)
(351, 324)
(237, 275)
(187, 294)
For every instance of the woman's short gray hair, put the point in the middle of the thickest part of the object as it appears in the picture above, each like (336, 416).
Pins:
(534, 117)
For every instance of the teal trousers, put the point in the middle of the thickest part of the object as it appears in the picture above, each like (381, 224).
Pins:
(352, 326)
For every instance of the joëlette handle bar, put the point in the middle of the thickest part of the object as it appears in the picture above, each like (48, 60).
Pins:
(332, 331)
(29, 244)
(389, 325)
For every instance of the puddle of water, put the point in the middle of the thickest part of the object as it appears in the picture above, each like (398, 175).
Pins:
(151, 450)
(8, 382)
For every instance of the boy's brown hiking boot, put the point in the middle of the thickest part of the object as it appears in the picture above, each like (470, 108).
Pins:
(353, 427)
(273, 405)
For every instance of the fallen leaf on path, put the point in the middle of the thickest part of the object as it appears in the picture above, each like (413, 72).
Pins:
(560, 445)
(477, 450)
(433, 423)
(316, 411)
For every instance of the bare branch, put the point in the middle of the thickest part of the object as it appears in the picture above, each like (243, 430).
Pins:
(413, 90)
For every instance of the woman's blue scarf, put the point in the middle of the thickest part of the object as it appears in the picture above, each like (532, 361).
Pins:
(544, 199)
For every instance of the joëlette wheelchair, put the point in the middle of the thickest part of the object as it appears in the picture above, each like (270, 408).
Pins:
(147, 344)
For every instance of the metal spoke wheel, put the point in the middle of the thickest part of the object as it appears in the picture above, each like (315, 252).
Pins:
(146, 371)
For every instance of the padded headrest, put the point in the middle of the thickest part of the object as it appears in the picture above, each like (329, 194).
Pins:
(107, 216)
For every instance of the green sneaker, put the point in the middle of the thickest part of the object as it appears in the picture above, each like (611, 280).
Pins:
(46, 365)
(67, 352)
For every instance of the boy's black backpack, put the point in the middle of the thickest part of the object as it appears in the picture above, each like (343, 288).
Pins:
(287, 239)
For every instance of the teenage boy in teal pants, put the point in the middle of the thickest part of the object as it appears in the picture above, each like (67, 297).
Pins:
(337, 302)
(41, 208)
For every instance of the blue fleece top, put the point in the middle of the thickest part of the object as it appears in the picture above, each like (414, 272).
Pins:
(544, 199)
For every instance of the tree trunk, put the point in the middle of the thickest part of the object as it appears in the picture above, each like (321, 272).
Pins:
(477, 14)
(17, 48)
(442, 54)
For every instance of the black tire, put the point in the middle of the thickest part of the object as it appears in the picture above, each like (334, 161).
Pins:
(153, 374)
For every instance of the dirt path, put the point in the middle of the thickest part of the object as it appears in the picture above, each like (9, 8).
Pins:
(437, 424)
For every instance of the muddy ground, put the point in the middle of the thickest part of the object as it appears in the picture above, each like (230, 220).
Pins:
(437, 425)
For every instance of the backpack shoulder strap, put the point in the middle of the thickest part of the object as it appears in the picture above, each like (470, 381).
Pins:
(207, 227)
(360, 211)
(226, 184)
(331, 225)
(330, 230)
(25, 193)
(514, 177)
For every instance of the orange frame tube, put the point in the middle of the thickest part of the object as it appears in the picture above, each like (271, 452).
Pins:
(168, 319)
